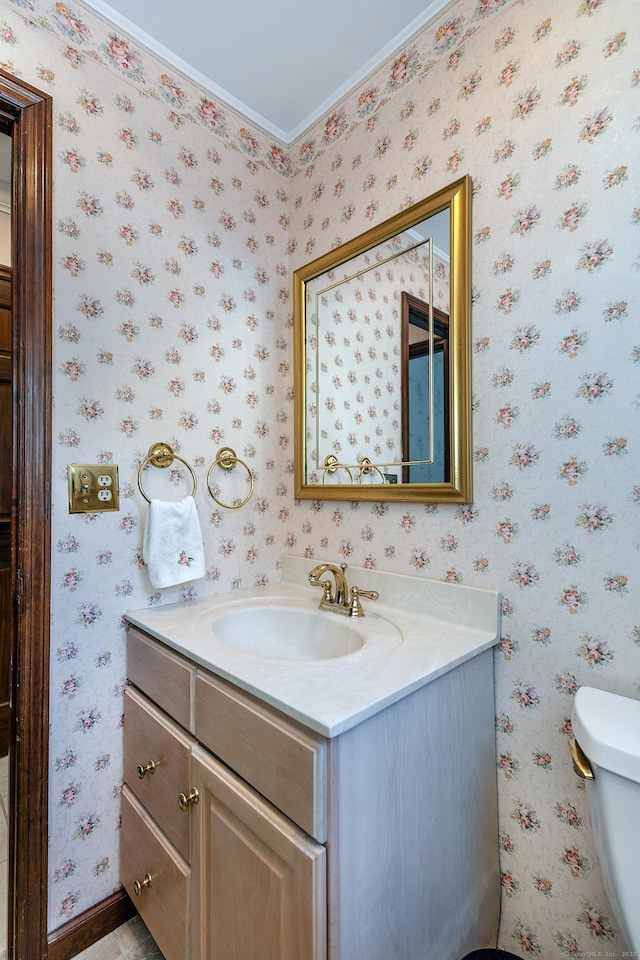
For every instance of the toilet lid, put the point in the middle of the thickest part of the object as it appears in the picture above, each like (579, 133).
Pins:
(607, 727)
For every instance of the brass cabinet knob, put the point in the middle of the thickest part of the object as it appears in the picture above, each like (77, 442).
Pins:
(184, 800)
(150, 767)
(139, 887)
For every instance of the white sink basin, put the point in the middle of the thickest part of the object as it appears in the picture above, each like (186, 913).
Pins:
(282, 628)
(289, 633)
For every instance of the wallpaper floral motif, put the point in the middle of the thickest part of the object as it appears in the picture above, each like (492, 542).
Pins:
(176, 230)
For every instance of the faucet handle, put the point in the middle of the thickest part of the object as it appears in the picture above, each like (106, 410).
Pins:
(327, 596)
(356, 606)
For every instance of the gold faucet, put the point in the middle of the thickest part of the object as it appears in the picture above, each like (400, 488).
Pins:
(344, 601)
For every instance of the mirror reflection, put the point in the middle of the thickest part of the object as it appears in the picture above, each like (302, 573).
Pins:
(425, 392)
(382, 359)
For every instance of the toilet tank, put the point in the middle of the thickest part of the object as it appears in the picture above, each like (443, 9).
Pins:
(607, 728)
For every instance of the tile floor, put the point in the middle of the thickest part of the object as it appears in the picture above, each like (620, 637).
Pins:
(132, 941)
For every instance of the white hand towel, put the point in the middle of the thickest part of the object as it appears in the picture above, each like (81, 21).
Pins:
(173, 548)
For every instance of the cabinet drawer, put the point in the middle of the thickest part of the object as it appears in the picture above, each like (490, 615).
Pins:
(282, 760)
(163, 675)
(151, 736)
(164, 905)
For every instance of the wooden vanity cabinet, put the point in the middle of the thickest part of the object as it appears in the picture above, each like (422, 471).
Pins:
(380, 842)
(230, 877)
(155, 855)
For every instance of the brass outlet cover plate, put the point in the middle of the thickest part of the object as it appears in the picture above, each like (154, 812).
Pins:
(93, 487)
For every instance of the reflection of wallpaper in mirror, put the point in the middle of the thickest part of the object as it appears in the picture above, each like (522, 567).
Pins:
(353, 354)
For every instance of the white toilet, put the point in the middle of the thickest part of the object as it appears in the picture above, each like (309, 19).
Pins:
(607, 730)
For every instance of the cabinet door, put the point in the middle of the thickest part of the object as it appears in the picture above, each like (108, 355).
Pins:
(259, 882)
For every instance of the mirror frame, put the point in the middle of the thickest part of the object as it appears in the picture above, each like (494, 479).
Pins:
(457, 197)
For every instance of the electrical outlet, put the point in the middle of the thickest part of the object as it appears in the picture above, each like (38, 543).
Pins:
(93, 487)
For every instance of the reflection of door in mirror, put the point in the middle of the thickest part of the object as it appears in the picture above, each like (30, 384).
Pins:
(425, 393)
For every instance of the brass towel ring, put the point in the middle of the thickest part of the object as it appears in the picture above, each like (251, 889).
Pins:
(331, 464)
(161, 455)
(226, 459)
(366, 467)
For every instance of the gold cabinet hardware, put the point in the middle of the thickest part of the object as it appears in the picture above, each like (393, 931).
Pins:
(580, 760)
(139, 887)
(150, 767)
(184, 800)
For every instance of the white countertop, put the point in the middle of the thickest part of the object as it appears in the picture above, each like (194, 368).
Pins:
(437, 626)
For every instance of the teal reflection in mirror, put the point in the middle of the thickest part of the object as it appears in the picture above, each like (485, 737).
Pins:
(425, 392)
(382, 350)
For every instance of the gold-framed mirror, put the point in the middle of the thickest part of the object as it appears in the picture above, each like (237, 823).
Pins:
(383, 359)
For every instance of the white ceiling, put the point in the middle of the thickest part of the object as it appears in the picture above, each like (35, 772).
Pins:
(282, 63)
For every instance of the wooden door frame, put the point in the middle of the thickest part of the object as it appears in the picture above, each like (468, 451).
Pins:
(29, 111)
(6, 481)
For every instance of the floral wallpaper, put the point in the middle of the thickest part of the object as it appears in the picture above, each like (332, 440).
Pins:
(177, 227)
(171, 323)
(539, 103)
